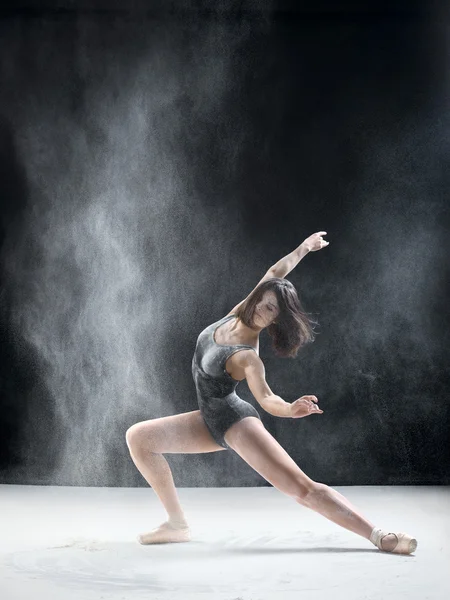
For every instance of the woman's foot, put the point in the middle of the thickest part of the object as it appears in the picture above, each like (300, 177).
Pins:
(168, 532)
(399, 543)
(388, 542)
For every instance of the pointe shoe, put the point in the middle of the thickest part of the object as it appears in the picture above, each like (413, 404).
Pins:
(165, 534)
(405, 543)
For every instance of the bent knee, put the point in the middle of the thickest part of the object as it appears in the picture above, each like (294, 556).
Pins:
(136, 436)
(130, 436)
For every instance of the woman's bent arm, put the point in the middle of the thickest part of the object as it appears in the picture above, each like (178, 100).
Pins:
(276, 406)
(255, 374)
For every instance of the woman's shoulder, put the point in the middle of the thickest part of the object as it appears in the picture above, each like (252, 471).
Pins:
(232, 313)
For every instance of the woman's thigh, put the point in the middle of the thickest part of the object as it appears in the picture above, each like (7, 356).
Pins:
(254, 444)
(185, 433)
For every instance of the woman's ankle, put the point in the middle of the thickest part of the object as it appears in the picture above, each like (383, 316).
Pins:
(178, 520)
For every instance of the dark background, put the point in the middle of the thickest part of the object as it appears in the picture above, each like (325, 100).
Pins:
(155, 162)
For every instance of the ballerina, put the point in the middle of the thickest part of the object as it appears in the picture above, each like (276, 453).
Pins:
(227, 352)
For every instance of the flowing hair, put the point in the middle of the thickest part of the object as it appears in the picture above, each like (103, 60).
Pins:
(294, 327)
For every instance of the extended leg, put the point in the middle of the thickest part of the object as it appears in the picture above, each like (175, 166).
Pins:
(262, 452)
(335, 507)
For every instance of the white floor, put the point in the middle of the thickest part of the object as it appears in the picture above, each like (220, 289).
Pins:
(248, 544)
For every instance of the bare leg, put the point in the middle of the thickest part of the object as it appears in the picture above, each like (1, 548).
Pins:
(262, 452)
(185, 433)
(335, 507)
(156, 471)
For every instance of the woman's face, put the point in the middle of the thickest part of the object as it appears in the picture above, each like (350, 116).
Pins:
(266, 311)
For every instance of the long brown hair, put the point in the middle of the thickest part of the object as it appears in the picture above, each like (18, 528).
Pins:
(293, 328)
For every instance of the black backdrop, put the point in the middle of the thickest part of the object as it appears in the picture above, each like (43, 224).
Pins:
(277, 121)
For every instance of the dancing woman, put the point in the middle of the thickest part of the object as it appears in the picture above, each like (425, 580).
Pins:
(226, 353)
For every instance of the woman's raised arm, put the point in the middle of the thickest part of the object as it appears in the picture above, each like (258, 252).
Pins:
(290, 261)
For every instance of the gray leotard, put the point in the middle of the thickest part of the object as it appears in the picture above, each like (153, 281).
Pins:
(219, 405)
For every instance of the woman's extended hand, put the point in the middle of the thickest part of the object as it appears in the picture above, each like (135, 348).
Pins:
(304, 406)
(315, 242)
